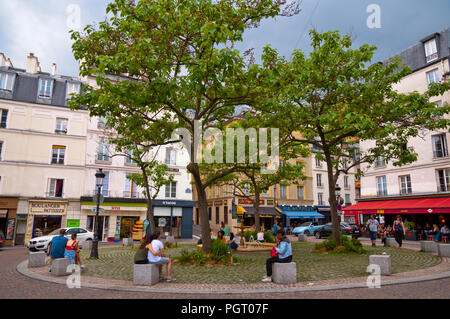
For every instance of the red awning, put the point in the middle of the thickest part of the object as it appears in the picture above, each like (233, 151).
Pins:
(438, 205)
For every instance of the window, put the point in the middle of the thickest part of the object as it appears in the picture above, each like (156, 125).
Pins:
(7, 81)
(320, 198)
(72, 88)
(433, 76)
(103, 151)
(282, 162)
(283, 192)
(130, 188)
(101, 122)
(45, 88)
(4, 114)
(319, 180)
(1, 148)
(440, 146)
(129, 158)
(171, 190)
(246, 188)
(225, 215)
(431, 53)
(217, 215)
(405, 185)
(381, 186)
(347, 199)
(171, 156)
(380, 162)
(346, 184)
(210, 212)
(55, 188)
(344, 164)
(318, 163)
(61, 126)
(58, 154)
(444, 180)
(105, 186)
(300, 190)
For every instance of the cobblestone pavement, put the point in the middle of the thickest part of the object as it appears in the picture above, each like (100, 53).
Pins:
(14, 285)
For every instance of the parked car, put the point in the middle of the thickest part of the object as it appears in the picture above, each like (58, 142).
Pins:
(2, 239)
(41, 243)
(326, 230)
(307, 228)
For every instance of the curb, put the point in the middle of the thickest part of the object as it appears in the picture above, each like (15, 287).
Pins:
(22, 268)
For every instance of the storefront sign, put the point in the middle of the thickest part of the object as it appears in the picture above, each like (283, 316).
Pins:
(270, 202)
(169, 203)
(218, 203)
(47, 208)
(115, 208)
(3, 213)
(247, 201)
(73, 223)
(10, 229)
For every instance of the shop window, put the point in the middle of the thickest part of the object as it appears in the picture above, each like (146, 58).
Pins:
(58, 154)
(55, 188)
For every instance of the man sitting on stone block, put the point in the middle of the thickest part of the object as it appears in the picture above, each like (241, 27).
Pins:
(284, 254)
(57, 246)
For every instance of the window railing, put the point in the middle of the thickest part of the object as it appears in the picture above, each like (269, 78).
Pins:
(432, 57)
(53, 195)
(440, 153)
(61, 132)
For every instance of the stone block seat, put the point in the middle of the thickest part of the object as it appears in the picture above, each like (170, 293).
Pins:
(284, 273)
(390, 242)
(59, 267)
(145, 274)
(444, 250)
(384, 261)
(428, 246)
(36, 259)
(302, 237)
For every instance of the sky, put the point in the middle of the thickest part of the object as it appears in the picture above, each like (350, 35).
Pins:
(42, 27)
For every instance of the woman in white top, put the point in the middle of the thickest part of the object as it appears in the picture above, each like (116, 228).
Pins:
(156, 255)
(260, 237)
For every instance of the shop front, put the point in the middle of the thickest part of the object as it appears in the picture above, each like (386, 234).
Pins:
(118, 217)
(417, 212)
(267, 215)
(8, 208)
(293, 216)
(44, 217)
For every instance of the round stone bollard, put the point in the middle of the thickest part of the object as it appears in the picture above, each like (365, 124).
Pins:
(302, 237)
(383, 261)
(428, 246)
(36, 259)
(127, 242)
(390, 242)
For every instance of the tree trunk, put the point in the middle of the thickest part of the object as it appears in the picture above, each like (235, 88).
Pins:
(202, 207)
(150, 215)
(256, 209)
(335, 220)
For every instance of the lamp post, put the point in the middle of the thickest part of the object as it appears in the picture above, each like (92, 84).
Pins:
(100, 176)
(338, 198)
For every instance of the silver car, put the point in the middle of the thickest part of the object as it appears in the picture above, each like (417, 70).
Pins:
(41, 243)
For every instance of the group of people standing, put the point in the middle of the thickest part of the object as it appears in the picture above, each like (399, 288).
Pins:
(375, 227)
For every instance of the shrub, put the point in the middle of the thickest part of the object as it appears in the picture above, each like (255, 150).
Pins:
(268, 237)
(199, 257)
(347, 245)
(219, 251)
(248, 234)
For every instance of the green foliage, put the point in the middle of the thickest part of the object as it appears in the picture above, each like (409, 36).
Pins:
(409, 225)
(348, 245)
(268, 237)
(249, 233)
(219, 251)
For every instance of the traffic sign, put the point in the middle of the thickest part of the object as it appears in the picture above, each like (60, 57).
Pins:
(101, 210)
(98, 198)
(339, 207)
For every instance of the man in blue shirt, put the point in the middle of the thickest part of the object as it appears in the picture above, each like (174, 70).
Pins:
(284, 251)
(57, 246)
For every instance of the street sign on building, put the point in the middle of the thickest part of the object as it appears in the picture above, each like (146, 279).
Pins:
(101, 210)
(98, 198)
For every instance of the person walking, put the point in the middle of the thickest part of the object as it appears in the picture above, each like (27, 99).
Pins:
(156, 255)
(284, 251)
(373, 225)
(275, 229)
(399, 230)
(57, 246)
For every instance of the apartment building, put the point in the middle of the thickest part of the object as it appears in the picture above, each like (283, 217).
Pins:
(42, 151)
(420, 191)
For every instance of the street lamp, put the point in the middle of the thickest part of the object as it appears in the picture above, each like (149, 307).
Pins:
(99, 178)
(339, 200)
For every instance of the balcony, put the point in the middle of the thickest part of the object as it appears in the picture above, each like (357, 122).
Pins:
(53, 195)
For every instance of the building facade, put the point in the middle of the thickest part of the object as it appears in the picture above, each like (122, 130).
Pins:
(42, 147)
(420, 191)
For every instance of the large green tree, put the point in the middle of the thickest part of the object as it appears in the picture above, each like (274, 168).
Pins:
(180, 58)
(335, 98)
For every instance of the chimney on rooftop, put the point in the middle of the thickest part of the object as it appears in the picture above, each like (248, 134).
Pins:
(54, 69)
(33, 65)
(5, 61)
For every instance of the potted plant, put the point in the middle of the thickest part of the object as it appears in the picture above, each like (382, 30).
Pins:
(410, 233)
